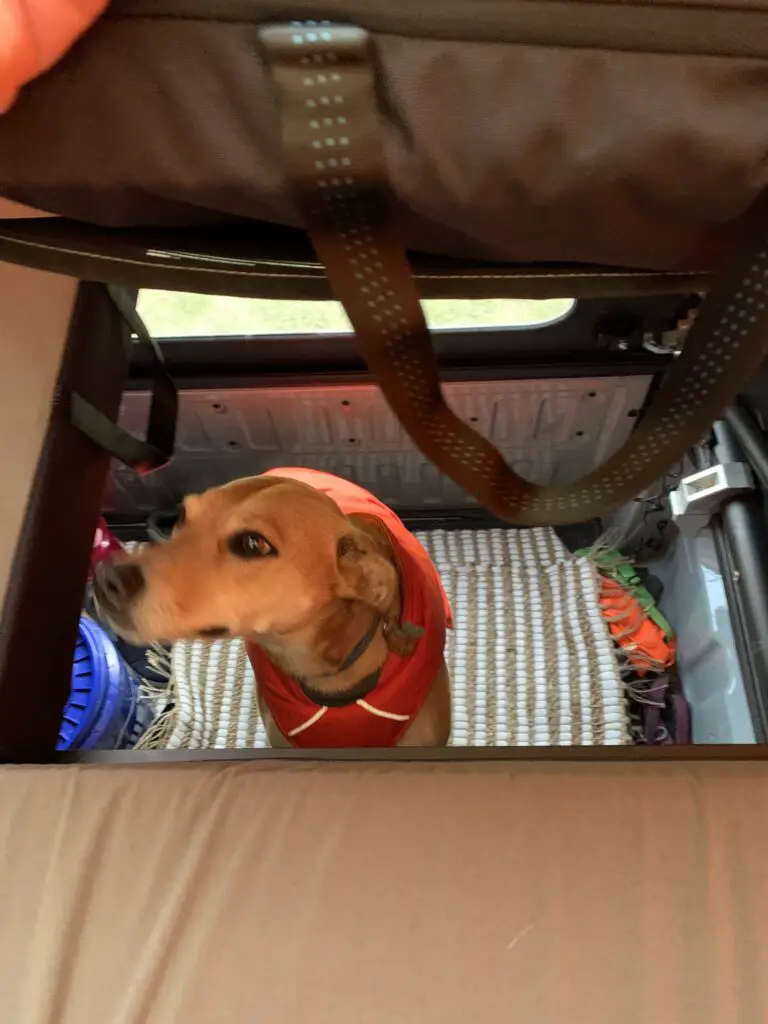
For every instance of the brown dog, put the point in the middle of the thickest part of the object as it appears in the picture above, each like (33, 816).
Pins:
(343, 612)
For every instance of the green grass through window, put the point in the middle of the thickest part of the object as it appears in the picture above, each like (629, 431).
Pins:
(180, 314)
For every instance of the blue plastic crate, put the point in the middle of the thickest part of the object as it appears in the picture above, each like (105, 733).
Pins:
(104, 709)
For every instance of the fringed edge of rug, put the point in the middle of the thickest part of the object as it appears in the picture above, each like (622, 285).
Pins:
(159, 733)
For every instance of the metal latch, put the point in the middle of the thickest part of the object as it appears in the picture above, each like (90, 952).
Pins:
(701, 494)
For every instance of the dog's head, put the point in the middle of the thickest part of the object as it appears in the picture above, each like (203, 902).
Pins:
(266, 557)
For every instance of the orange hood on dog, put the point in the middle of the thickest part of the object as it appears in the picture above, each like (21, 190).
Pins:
(382, 718)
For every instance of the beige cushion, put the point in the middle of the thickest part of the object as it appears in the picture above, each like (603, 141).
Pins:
(417, 894)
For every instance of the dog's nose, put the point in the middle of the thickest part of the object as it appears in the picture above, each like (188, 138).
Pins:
(118, 583)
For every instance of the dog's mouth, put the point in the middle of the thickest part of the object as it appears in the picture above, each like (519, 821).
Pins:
(118, 615)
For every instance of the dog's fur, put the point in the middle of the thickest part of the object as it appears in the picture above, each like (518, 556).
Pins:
(307, 605)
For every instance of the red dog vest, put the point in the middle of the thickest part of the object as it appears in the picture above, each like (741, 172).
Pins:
(382, 718)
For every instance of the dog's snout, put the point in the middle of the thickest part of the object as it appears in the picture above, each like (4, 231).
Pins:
(119, 583)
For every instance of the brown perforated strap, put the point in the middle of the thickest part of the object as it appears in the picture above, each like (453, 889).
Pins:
(325, 79)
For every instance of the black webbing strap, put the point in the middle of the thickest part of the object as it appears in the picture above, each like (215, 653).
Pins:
(328, 97)
(143, 456)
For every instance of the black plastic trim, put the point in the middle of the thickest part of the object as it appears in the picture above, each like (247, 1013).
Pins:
(251, 258)
(407, 755)
(207, 379)
(750, 439)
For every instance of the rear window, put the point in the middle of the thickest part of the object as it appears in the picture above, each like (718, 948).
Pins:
(186, 315)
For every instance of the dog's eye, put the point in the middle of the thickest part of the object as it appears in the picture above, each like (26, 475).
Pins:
(250, 545)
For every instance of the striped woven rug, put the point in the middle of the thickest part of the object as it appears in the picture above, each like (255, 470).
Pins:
(531, 659)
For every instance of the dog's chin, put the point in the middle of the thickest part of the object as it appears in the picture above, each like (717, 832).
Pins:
(138, 636)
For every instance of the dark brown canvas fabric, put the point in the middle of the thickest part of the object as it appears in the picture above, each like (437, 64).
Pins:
(585, 132)
(518, 132)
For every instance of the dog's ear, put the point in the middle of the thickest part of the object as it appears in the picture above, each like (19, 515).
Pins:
(364, 574)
